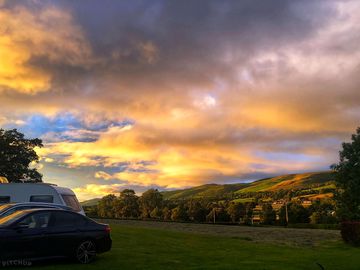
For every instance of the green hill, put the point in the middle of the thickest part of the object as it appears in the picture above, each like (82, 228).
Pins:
(91, 202)
(209, 190)
(284, 182)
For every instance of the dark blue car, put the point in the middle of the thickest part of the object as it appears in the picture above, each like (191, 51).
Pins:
(46, 233)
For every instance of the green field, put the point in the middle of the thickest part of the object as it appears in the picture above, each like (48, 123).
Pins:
(151, 245)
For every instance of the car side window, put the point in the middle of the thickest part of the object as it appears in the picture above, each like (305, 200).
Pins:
(36, 220)
(64, 219)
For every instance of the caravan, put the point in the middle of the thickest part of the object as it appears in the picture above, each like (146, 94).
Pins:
(39, 192)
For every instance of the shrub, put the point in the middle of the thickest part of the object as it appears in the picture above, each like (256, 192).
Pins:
(350, 232)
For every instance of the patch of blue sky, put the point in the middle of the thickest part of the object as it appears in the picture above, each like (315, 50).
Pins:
(125, 166)
(67, 127)
(287, 156)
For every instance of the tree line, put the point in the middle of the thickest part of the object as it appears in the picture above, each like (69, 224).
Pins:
(151, 205)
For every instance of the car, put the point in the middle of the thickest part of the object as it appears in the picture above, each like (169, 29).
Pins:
(50, 233)
(39, 192)
(9, 208)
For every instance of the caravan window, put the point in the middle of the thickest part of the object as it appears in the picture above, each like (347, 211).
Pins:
(42, 198)
(70, 200)
(4, 199)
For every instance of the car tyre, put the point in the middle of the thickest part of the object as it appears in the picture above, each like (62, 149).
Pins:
(85, 252)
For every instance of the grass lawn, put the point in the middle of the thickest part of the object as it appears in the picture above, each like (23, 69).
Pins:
(136, 247)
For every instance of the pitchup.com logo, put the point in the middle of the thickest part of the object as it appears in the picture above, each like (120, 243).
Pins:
(10, 263)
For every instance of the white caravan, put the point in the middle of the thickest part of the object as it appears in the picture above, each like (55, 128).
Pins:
(39, 192)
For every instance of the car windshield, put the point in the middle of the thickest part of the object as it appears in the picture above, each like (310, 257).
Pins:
(4, 221)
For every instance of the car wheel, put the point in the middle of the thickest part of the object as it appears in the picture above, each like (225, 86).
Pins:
(86, 252)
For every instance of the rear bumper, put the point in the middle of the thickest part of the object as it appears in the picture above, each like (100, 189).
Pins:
(104, 245)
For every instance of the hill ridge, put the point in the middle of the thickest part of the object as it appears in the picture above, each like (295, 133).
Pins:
(295, 181)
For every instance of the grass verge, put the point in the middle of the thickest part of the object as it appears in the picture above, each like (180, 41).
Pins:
(153, 248)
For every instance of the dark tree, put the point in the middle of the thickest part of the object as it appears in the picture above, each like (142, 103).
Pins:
(129, 206)
(196, 211)
(16, 155)
(267, 215)
(236, 211)
(296, 212)
(322, 212)
(249, 211)
(149, 200)
(106, 206)
(347, 180)
(217, 214)
(179, 213)
(156, 213)
(166, 213)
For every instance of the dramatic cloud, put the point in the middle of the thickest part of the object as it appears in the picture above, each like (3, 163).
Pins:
(27, 36)
(171, 94)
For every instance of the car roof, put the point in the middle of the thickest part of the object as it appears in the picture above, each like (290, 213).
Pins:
(38, 203)
(53, 205)
(49, 209)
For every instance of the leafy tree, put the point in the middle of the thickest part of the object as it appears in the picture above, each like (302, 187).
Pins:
(222, 215)
(296, 212)
(179, 213)
(148, 201)
(106, 206)
(218, 214)
(16, 155)
(322, 212)
(91, 211)
(166, 213)
(129, 204)
(249, 211)
(196, 211)
(236, 211)
(267, 215)
(282, 216)
(156, 213)
(347, 179)
(116, 208)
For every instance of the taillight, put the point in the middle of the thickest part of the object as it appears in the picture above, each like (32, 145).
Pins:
(107, 229)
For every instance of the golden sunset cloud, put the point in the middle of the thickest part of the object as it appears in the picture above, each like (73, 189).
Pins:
(27, 35)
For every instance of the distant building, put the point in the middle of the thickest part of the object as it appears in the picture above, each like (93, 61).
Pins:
(306, 203)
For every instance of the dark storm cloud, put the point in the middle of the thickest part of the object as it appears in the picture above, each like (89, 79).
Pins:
(191, 38)
(191, 41)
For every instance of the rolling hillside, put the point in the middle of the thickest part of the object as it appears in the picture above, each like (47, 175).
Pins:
(284, 182)
(209, 190)
(91, 202)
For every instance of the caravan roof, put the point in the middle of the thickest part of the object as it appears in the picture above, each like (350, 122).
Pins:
(38, 192)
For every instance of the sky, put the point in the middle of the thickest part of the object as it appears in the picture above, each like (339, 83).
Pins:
(173, 94)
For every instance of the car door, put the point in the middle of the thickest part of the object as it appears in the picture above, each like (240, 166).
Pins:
(63, 234)
(26, 238)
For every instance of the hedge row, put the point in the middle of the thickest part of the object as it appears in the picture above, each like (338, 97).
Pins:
(350, 232)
